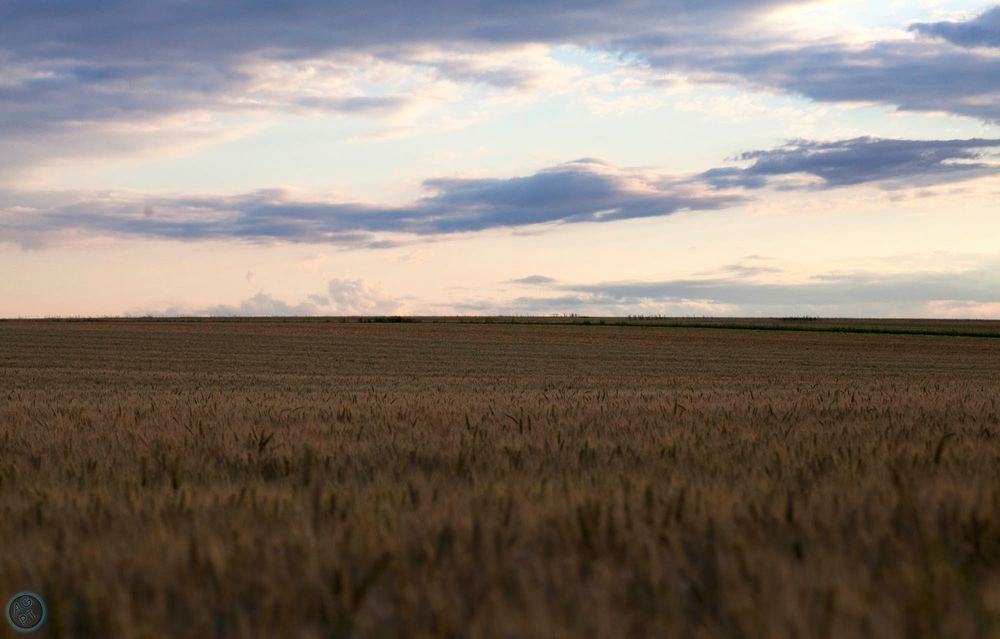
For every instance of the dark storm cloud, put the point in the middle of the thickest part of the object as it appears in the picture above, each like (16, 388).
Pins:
(892, 163)
(982, 31)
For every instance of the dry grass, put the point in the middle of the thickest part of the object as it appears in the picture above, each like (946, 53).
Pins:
(318, 479)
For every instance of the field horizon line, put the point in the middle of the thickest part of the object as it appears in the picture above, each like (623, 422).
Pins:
(883, 326)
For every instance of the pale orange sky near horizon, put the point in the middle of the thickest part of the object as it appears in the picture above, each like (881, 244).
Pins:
(356, 175)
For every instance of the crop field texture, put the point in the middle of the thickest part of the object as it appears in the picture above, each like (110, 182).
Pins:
(304, 479)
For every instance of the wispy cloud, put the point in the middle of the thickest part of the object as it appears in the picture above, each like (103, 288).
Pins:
(69, 67)
(75, 73)
(533, 280)
(891, 163)
(972, 292)
(582, 191)
(938, 73)
(341, 297)
(833, 289)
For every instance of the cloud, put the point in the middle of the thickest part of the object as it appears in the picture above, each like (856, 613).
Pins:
(70, 66)
(585, 190)
(342, 297)
(963, 309)
(534, 280)
(87, 78)
(580, 191)
(928, 75)
(120, 30)
(260, 305)
(971, 292)
(818, 291)
(360, 297)
(746, 270)
(95, 78)
(981, 31)
(132, 111)
(892, 163)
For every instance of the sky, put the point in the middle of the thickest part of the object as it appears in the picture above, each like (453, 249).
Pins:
(474, 157)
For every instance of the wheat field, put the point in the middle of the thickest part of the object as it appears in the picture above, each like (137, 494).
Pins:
(312, 478)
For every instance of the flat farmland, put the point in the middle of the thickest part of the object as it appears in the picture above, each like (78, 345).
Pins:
(322, 478)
